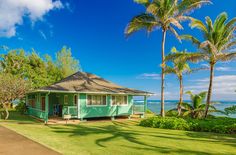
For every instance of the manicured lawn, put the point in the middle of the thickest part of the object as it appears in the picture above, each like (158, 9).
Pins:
(120, 137)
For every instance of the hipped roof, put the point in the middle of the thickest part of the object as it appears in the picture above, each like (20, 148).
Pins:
(83, 82)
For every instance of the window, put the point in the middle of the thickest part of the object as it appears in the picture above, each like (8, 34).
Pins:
(66, 99)
(96, 100)
(75, 99)
(119, 100)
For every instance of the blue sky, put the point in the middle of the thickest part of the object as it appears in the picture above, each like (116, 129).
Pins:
(95, 32)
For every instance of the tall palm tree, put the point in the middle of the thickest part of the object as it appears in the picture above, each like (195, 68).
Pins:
(217, 45)
(164, 14)
(180, 66)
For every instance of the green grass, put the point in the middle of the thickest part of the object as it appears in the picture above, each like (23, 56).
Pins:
(120, 137)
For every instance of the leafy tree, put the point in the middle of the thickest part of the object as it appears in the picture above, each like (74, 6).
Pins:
(12, 88)
(66, 63)
(180, 67)
(40, 72)
(218, 39)
(196, 108)
(164, 14)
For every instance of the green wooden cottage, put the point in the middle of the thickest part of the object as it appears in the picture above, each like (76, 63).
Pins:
(83, 95)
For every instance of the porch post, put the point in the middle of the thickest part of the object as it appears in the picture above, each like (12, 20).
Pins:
(46, 108)
(145, 105)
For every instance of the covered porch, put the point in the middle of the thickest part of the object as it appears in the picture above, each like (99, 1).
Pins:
(55, 106)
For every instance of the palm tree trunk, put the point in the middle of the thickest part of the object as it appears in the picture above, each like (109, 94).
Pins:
(180, 94)
(209, 89)
(162, 73)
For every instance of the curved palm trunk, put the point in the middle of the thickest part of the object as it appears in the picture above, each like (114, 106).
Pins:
(162, 74)
(181, 92)
(209, 89)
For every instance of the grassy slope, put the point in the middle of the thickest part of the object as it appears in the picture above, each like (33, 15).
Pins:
(121, 137)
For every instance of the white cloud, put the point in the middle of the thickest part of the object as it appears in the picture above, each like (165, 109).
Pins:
(220, 68)
(43, 34)
(12, 13)
(152, 76)
(225, 69)
(224, 86)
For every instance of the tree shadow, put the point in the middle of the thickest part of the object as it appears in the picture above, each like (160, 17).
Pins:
(121, 130)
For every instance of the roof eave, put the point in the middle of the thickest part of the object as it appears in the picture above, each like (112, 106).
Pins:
(69, 91)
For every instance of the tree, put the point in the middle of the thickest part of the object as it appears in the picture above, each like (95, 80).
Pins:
(218, 40)
(196, 108)
(164, 14)
(180, 67)
(66, 63)
(12, 88)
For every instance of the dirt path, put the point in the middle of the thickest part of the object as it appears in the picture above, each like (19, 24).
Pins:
(12, 143)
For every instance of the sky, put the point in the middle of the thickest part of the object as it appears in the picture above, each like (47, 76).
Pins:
(94, 30)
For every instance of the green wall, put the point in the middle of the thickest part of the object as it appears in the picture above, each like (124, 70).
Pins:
(84, 110)
(103, 111)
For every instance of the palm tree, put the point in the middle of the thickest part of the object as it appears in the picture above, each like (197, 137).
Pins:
(164, 14)
(196, 108)
(180, 66)
(217, 45)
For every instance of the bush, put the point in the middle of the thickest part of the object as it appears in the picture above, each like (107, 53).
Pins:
(21, 107)
(217, 124)
(165, 123)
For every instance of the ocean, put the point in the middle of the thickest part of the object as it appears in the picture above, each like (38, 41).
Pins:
(155, 106)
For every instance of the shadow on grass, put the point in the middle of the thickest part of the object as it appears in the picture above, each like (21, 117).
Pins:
(135, 137)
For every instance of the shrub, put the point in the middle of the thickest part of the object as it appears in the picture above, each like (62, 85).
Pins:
(21, 107)
(213, 124)
(165, 123)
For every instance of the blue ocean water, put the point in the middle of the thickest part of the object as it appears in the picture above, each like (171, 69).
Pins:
(154, 105)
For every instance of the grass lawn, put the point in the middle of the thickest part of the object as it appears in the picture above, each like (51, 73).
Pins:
(120, 137)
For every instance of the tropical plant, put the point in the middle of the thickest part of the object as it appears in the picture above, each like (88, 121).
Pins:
(217, 45)
(164, 14)
(196, 108)
(230, 110)
(180, 67)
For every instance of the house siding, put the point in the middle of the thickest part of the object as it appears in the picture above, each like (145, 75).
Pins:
(104, 111)
(84, 110)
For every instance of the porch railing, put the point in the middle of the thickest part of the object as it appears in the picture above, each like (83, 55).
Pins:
(70, 110)
(138, 109)
(37, 113)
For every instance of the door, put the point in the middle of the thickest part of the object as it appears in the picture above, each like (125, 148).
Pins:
(43, 100)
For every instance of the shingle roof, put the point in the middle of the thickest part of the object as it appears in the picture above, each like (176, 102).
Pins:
(89, 83)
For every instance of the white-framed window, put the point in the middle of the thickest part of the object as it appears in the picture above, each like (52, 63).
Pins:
(66, 99)
(96, 100)
(119, 100)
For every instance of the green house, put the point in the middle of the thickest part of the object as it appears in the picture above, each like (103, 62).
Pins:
(84, 95)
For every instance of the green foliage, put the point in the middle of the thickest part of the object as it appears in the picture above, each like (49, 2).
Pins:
(21, 107)
(148, 111)
(165, 14)
(230, 110)
(66, 63)
(196, 108)
(214, 124)
(38, 70)
(165, 123)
